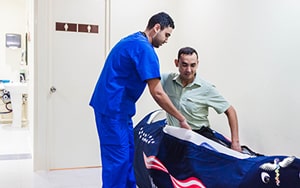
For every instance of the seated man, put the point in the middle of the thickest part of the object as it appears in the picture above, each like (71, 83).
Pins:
(193, 96)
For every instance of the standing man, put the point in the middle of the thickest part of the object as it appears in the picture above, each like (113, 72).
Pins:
(193, 96)
(130, 66)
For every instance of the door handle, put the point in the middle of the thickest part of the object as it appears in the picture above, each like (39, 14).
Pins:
(52, 89)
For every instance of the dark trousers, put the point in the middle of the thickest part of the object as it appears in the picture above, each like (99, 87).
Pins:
(209, 133)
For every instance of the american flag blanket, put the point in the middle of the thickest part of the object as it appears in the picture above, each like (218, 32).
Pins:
(171, 157)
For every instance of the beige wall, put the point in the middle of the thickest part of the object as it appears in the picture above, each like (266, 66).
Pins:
(248, 49)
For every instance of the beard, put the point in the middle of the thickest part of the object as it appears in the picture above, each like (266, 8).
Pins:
(156, 42)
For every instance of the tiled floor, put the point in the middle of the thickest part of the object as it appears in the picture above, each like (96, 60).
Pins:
(16, 166)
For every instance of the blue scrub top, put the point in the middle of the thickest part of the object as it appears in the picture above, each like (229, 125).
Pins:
(130, 63)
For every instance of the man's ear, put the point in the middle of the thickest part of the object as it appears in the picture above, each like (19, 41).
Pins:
(176, 62)
(156, 28)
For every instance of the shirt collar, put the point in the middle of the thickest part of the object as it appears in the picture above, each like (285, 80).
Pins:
(196, 82)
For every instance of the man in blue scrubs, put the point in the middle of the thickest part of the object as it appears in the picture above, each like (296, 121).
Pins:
(130, 66)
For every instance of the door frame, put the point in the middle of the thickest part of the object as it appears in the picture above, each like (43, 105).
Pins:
(41, 82)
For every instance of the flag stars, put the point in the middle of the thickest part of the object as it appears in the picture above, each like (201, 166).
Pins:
(147, 138)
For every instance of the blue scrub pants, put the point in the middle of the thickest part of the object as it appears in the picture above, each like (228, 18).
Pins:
(117, 151)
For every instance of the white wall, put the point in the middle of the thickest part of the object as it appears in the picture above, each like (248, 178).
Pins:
(13, 20)
(249, 50)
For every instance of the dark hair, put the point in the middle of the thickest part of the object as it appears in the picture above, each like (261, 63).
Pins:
(163, 19)
(188, 51)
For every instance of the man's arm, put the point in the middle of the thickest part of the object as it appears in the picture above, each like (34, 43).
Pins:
(164, 101)
(233, 123)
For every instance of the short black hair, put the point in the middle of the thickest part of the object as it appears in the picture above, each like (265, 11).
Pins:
(187, 50)
(161, 18)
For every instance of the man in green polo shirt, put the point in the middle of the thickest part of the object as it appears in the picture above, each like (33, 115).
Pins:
(193, 96)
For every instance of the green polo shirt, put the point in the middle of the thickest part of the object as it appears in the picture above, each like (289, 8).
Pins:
(194, 100)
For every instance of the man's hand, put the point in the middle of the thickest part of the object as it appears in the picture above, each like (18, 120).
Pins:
(236, 146)
(185, 125)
